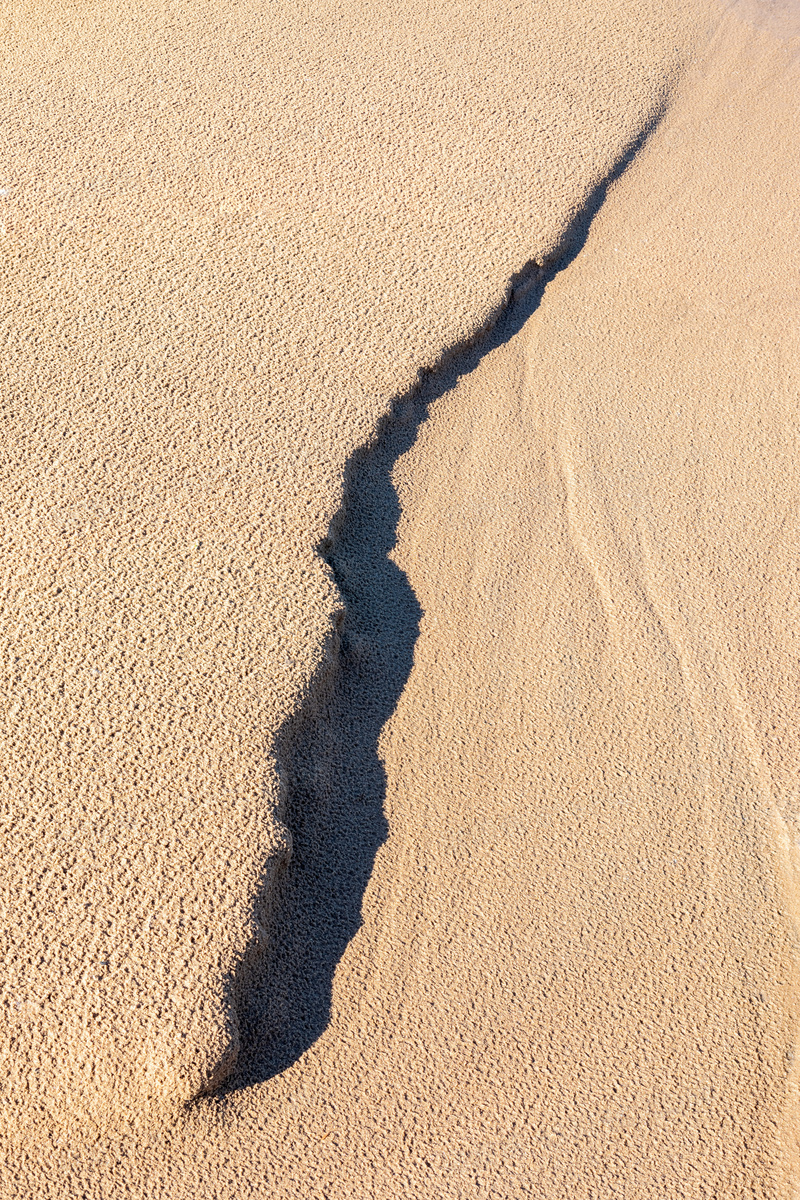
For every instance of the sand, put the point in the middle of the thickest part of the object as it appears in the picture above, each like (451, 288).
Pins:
(528, 719)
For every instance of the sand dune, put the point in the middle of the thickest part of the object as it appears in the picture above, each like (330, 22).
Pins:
(530, 722)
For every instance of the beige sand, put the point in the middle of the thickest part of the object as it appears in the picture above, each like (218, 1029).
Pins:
(551, 769)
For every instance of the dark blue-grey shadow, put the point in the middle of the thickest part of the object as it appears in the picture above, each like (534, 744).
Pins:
(336, 781)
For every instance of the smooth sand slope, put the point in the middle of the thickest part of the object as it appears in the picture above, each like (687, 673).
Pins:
(538, 936)
(232, 233)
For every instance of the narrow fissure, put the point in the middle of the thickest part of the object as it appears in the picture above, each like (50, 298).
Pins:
(328, 751)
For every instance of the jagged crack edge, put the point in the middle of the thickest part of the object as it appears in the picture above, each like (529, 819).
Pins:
(534, 273)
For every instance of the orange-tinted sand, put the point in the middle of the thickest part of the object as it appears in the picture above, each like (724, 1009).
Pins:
(531, 725)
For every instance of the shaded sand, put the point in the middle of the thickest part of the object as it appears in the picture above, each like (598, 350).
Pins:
(231, 234)
(538, 935)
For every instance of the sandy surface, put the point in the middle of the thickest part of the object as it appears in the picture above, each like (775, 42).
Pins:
(537, 936)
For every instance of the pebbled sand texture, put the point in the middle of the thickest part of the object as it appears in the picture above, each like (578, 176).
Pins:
(538, 935)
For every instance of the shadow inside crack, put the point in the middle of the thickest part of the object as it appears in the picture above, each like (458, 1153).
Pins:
(336, 784)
